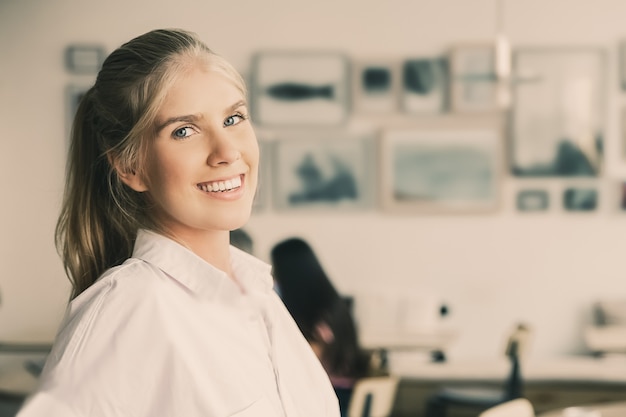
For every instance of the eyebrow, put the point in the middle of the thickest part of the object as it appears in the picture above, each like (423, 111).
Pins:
(191, 118)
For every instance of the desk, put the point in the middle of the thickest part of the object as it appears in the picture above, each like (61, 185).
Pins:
(426, 340)
(617, 409)
(549, 383)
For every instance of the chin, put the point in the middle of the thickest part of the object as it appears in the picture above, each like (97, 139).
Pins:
(238, 221)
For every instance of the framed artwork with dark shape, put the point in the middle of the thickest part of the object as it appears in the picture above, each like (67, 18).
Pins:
(621, 195)
(375, 85)
(299, 88)
(557, 121)
(84, 59)
(580, 199)
(425, 85)
(474, 86)
(321, 171)
(437, 170)
(533, 200)
(622, 64)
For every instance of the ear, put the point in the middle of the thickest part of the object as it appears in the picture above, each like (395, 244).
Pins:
(129, 178)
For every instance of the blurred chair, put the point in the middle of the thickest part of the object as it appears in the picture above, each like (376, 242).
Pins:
(481, 399)
(520, 407)
(373, 397)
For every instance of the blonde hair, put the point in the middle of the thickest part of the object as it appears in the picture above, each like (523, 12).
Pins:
(113, 128)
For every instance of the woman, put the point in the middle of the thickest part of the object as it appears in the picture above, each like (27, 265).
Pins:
(323, 316)
(166, 318)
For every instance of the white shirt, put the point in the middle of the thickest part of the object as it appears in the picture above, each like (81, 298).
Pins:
(167, 334)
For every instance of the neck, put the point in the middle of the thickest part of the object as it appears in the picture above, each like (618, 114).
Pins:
(212, 246)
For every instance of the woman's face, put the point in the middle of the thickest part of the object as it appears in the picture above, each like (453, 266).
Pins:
(201, 169)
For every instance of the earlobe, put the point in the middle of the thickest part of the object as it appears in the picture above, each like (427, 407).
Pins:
(130, 178)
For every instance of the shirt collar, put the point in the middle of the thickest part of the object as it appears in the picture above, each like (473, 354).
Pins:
(194, 272)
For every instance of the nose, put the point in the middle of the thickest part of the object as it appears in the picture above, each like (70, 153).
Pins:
(222, 149)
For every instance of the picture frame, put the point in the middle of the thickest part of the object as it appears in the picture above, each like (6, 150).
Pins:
(323, 170)
(580, 198)
(300, 88)
(557, 121)
(376, 86)
(618, 195)
(448, 168)
(622, 130)
(533, 200)
(473, 79)
(84, 59)
(621, 53)
(425, 85)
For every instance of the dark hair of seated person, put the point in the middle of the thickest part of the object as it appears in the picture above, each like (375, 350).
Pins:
(318, 308)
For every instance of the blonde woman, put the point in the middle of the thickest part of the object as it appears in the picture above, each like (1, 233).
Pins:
(166, 318)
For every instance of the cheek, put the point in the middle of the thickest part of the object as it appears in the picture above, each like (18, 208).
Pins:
(253, 149)
(163, 168)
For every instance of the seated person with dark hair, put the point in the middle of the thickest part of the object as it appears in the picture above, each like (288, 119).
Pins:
(322, 315)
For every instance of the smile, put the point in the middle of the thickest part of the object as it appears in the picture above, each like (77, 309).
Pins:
(221, 186)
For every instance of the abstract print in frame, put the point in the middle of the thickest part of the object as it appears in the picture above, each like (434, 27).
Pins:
(324, 171)
(454, 169)
(299, 88)
(557, 123)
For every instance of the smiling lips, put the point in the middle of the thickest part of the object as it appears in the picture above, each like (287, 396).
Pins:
(221, 186)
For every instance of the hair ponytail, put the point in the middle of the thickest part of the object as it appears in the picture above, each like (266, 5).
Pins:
(89, 237)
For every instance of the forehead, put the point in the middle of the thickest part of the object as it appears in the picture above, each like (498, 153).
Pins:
(200, 89)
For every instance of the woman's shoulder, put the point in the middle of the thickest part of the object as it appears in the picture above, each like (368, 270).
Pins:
(131, 278)
(124, 296)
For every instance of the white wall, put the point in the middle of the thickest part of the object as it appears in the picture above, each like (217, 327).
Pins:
(546, 269)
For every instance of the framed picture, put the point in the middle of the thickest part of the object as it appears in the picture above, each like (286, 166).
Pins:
(425, 84)
(299, 88)
(84, 59)
(623, 131)
(557, 124)
(622, 64)
(618, 194)
(580, 199)
(445, 169)
(474, 85)
(376, 84)
(533, 200)
(324, 170)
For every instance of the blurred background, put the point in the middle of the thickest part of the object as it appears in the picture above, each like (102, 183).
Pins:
(423, 169)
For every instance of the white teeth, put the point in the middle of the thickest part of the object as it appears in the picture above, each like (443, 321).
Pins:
(221, 185)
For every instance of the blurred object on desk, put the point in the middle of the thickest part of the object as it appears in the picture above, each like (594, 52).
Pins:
(391, 321)
(607, 335)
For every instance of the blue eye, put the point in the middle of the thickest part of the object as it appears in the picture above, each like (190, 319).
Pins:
(183, 132)
(234, 119)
